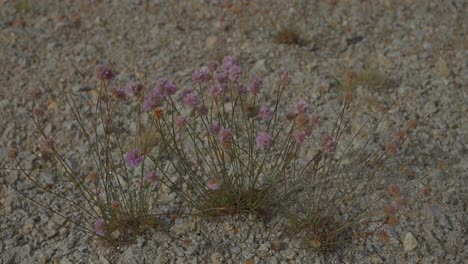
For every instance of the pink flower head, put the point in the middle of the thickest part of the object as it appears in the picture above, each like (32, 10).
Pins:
(284, 77)
(314, 120)
(302, 106)
(263, 141)
(133, 158)
(255, 85)
(180, 121)
(165, 88)
(213, 66)
(119, 93)
(152, 100)
(390, 210)
(400, 201)
(116, 205)
(228, 62)
(100, 227)
(202, 110)
(104, 73)
(49, 143)
(214, 184)
(242, 90)
(200, 76)
(392, 149)
(216, 90)
(225, 137)
(215, 128)
(400, 135)
(329, 143)
(191, 100)
(300, 136)
(264, 113)
(35, 94)
(133, 88)
(222, 77)
(235, 73)
(38, 112)
(152, 177)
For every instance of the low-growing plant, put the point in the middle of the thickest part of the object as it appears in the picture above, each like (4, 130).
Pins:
(288, 36)
(369, 78)
(114, 194)
(232, 150)
(349, 183)
(226, 147)
(23, 6)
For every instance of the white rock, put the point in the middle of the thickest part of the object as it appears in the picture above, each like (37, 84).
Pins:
(410, 242)
(216, 258)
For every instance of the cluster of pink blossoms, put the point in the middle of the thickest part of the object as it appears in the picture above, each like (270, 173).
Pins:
(163, 88)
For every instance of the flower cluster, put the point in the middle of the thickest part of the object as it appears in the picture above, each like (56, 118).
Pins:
(133, 158)
(236, 151)
(104, 73)
(154, 98)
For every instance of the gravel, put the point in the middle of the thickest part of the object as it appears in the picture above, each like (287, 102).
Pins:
(418, 47)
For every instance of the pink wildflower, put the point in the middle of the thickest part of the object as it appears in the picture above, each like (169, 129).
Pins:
(133, 158)
(263, 141)
(191, 100)
(222, 77)
(152, 100)
(215, 90)
(133, 88)
(119, 93)
(400, 136)
(329, 143)
(284, 77)
(302, 106)
(392, 149)
(215, 128)
(202, 110)
(255, 85)
(35, 94)
(241, 90)
(104, 73)
(300, 136)
(200, 76)
(116, 205)
(180, 121)
(225, 137)
(152, 177)
(235, 73)
(100, 227)
(264, 113)
(38, 112)
(213, 66)
(390, 210)
(165, 88)
(314, 120)
(228, 62)
(400, 201)
(213, 184)
(49, 143)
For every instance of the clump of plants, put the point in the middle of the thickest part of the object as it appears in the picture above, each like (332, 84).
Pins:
(350, 184)
(115, 196)
(23, 6)
(232, 150)
(227, 145)
(288, 36)
(369, 78)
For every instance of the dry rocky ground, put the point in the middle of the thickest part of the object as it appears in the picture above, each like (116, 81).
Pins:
(412, 55)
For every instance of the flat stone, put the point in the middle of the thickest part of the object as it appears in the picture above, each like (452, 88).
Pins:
(216, 258)
(442, 69)
(410, 242)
